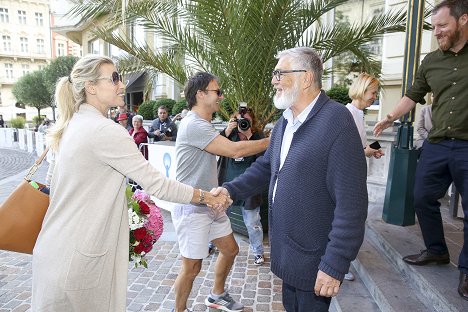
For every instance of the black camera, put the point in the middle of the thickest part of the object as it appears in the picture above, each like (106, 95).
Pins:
(242, 122)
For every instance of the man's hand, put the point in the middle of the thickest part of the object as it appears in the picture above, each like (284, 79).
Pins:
(383, 124)
(219, 190)
(325, 285)
(219, 202)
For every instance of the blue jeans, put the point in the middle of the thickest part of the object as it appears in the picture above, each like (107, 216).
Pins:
(439, 165)
(254, 228)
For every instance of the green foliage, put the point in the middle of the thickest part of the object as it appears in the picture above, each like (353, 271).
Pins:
(58, 68)
(179, 106)
(169, 103)
(17, 123)
(32, 91)
(339, 94)
(37, 120)
(236, 40)
(146, 110)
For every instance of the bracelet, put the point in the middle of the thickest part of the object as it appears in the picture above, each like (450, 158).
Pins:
(202, 197)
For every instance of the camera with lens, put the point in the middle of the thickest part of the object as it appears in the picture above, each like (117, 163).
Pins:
(242, 122)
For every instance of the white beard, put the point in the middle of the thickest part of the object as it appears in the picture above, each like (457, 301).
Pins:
(288, 98)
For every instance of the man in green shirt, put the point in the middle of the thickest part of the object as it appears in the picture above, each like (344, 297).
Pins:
(444, 156)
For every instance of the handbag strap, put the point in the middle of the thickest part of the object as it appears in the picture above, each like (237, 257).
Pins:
(36, 165)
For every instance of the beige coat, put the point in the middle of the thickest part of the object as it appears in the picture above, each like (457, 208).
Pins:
(80, 260)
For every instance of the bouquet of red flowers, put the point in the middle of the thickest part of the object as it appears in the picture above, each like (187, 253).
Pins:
(146, 225)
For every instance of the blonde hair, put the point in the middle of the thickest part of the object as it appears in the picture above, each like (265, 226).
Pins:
(360, 85)
(70, 94)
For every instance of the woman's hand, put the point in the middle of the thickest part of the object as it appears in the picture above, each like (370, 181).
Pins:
(218, 202)
(370, 152)
(231, 126)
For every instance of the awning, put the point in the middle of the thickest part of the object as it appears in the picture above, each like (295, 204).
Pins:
(136, 82)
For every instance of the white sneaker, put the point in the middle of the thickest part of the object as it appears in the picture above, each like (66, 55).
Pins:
(349, 276)
(259, 260)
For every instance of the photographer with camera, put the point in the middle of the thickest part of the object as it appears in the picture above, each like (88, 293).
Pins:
(243, 127)
(163, 128)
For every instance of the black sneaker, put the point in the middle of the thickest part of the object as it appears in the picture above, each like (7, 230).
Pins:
(224, 303)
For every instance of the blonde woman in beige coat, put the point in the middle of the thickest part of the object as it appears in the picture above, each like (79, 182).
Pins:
(80, 260)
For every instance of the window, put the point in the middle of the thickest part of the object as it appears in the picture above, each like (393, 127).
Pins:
(41, 67)
(60, 49)
(93, 47)
(4, 15)
(25, 68)
(22, 17)
(39, 19)
(9, 71)
(40, 46)
(24, 44)
(6, 43)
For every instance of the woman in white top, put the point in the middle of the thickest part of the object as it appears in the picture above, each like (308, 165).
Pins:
(80, 260)
(363, 93)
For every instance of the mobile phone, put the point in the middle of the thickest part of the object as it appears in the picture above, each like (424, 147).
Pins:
(375, 145)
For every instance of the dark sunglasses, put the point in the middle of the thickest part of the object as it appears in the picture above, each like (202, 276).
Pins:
(219, 92)
(115, 78)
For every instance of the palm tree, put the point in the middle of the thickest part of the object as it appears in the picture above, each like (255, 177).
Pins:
(233, 39)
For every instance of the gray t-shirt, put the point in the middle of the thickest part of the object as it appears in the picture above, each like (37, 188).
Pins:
(195, 166)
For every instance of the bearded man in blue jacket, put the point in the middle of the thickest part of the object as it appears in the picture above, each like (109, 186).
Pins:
(316, 172)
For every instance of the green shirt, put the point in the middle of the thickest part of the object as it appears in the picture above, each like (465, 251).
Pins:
(446, 75)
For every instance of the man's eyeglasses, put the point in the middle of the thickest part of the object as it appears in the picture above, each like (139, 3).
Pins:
(278, 74)
(219, 92)
(115, 78)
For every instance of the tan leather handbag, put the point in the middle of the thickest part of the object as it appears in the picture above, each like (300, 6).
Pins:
(22, 213)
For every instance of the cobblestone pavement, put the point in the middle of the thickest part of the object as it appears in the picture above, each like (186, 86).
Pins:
(13, 161)
(148, 289)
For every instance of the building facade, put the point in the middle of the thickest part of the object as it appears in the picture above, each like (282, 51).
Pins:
(25, 47)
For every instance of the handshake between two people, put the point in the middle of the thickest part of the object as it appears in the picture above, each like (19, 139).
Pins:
(218, 199)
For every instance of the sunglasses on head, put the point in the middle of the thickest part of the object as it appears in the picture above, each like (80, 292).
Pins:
(115, 78)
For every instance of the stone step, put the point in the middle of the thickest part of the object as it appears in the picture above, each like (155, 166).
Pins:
(391, 291)
(435, 285)
(353, 296)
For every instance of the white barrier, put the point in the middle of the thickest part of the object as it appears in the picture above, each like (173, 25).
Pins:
(3, 134)
(30, 140)
(40, 143)
(6, 137)
(161, 155)
(22, 139)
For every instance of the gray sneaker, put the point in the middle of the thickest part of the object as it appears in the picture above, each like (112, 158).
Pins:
(224, 303)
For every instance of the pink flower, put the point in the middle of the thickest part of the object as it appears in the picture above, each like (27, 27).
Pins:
(155, 222)
(139, 195)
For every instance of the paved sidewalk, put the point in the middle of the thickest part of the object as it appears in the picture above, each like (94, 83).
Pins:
(148, 289)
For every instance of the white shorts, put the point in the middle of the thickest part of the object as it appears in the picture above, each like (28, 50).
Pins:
(196, 226)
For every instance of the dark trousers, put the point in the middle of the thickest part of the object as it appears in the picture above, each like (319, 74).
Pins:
(297, 300)
(439, 165)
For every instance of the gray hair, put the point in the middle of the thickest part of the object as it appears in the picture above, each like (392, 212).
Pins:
(305, 58)
(137, 117)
